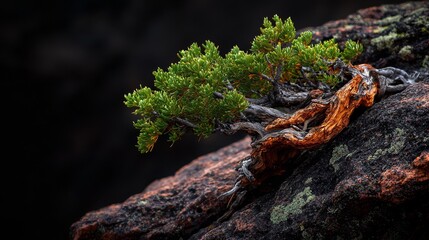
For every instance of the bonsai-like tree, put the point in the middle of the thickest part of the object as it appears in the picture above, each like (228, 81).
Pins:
(287, 92)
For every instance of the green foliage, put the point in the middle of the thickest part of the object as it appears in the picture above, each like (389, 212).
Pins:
(352, 50)
(186, 91)
(243, 71)
(204, 88)
(282, 32)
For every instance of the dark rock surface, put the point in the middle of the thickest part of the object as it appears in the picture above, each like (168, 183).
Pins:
(393, 35)
(171, 207)
(371, 182)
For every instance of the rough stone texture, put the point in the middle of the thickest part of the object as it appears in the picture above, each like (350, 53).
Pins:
(378, 187)
(393, 35)
(371, 182)
(171, 207)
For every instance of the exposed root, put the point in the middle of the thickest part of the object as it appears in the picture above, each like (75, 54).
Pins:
(393, 80)
(232, 191)
(322, 119)
(244, 169)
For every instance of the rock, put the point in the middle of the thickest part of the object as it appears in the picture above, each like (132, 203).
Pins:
(370, 182)
(171, 207)
(393, 35)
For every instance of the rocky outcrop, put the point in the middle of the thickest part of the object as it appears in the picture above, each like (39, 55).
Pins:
(370, 182)
(393, 35)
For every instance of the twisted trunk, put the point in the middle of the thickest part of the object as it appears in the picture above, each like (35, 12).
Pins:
(285, 140)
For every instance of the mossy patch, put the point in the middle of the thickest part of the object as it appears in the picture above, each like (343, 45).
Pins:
(386, 41)
(379, 29)
(389, 20)
(281, 213)
(397, 143)
(425, 62)
(337, 153)
(419, 17)
(406, 53)
(419, 11)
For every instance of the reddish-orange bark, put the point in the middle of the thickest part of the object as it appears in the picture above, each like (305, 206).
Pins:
(279, 146)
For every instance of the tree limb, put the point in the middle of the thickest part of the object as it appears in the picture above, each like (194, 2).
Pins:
(276, 148)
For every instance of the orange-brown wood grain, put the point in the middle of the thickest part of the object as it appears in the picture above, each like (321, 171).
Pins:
(285, 142)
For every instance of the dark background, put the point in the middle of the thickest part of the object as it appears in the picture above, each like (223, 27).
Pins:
(66, 67)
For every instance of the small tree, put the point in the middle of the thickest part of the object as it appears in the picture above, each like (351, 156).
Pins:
(207, 92)
(288, 93)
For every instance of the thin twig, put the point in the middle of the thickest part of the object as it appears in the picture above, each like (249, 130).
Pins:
(184, 122)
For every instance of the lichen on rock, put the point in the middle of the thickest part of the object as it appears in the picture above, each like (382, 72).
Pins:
(338, 152)
(406, 53)
(397, 142)
(387, 41)
(281, 213)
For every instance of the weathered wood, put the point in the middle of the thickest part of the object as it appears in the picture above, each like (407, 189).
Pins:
(272, 151)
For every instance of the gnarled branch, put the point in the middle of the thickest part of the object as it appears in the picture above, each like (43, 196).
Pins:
(284, 141)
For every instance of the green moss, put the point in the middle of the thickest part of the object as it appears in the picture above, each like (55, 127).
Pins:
(379, 29)
(425, 62)
(338, 152)
(419, 11)
(398, 141)
(389, 20)
(377, 154)
(281, 213)
(397, 144)
(421, 18)
(308, 181)
(386, 41)
(406, 53)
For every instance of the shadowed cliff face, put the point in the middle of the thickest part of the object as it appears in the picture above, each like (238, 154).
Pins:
(371, 181)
